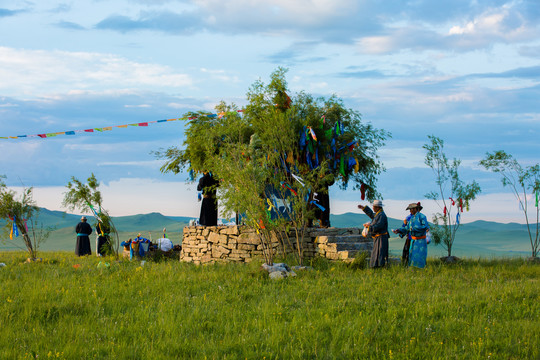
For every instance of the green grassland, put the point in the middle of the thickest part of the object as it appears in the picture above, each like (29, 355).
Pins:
(74, 308)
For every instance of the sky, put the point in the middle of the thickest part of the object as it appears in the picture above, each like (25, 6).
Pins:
(466, 71)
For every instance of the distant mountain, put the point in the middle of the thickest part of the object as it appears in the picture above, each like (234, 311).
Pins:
(152, 221)
(476, 239)
(358, 220)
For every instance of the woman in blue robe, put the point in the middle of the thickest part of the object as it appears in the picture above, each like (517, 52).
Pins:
(416, 227)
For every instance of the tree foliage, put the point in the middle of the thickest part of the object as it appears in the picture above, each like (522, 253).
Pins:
(276, 153)
(452, 193)
(87, 198)
(520, 180)
(20, 210)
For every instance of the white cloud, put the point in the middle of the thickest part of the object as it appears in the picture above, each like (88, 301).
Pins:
(45, 72)
(183, 106)
(408, 157)
(376, 44)
(303, 12)
(138, 106)
(507, 23)
(156, 164)
(132, 196)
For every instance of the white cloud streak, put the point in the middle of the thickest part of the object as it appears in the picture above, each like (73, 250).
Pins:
(30, 72)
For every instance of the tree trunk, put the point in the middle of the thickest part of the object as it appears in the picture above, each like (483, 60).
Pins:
(26, 238)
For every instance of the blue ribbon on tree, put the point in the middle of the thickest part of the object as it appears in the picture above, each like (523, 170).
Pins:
(14, 229)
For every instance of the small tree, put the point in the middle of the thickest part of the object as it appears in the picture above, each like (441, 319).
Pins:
(452, 193)
(519, 179)
(18, 212)
(87, 199)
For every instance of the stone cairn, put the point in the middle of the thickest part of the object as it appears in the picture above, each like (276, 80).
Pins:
(207, 244)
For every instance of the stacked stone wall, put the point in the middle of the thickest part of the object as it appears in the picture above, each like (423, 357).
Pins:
(206, 244)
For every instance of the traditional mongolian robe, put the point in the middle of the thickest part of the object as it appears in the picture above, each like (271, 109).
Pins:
(83, 229)
(407, 245)
(209, 207)
(416, 228)
(378, 229)
(323, 198)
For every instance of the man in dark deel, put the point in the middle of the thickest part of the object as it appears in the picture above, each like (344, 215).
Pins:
(378, 229)
(83, 230)
(209, 207)
(103, 239)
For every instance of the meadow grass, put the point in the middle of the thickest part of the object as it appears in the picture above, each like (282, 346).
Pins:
(68, 307)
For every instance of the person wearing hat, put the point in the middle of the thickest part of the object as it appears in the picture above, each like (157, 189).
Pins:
(378, 229)
(415, 227)
(83, 230)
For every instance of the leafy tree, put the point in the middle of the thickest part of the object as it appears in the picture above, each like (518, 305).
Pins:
(273, 158)
(18, 212)
(87, 198)
(452, 193)
(519, 179)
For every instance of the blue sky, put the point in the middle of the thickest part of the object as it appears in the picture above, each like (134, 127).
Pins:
(466, 71)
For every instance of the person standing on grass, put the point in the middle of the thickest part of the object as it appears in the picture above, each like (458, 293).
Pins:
(83, 230)
(407, 245)
(378, 229)
(103, 242)
(416, 228)
(209, 206)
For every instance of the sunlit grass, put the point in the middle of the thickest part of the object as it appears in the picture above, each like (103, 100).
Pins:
(69, 307)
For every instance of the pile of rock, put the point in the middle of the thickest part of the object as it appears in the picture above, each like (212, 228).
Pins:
(205, 244)
(341, 243)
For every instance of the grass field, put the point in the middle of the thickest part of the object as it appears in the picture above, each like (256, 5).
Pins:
(72, 308)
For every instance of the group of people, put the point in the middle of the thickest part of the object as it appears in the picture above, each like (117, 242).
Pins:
(415, 228)
(103, 242)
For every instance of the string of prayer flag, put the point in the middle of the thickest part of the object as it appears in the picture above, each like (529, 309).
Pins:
(108, 128)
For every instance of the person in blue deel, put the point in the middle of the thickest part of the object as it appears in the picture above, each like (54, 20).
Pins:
(416, 227)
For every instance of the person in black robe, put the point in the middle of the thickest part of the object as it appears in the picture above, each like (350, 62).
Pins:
(324, 200)
(209, 206)
(83, 230)
(378, 229)
(103, 240)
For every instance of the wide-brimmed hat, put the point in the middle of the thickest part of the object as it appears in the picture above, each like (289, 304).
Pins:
(378, 203)
(414, 206)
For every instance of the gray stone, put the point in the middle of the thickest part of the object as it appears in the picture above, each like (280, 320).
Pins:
(277, 275)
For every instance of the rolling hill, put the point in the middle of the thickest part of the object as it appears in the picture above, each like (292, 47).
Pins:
(477, 239)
